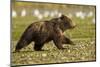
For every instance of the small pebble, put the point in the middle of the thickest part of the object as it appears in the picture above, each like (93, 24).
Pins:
(44, 55)
(22, 55)
(68, 51)
(83, 58)
(30, 58)
(92, 42)
(63, 57)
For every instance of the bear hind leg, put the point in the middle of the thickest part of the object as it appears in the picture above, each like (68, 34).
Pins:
(21, 44)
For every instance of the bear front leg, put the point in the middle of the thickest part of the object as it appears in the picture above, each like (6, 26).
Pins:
(38, 46)
(57, 37)
(66, 40)
(58, 40)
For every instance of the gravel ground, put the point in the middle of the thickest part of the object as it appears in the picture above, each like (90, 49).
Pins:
(84, 50)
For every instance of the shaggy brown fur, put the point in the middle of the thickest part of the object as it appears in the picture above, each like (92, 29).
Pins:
(45, 31)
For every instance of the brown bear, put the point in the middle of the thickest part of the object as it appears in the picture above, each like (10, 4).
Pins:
(45, 31)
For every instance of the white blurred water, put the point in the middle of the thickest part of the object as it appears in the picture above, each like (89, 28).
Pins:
(46, 13)
(14, 14)
(90, 14)
(23, 13)
(80, 15)
(36, 12)
(54, 13)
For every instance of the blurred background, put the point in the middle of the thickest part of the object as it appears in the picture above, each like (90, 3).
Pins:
(28, 12)
(25, 13)
(41, 10)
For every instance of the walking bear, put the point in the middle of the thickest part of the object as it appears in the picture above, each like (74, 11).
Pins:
(45, 31)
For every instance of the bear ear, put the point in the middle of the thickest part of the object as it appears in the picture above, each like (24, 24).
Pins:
(62, 16)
